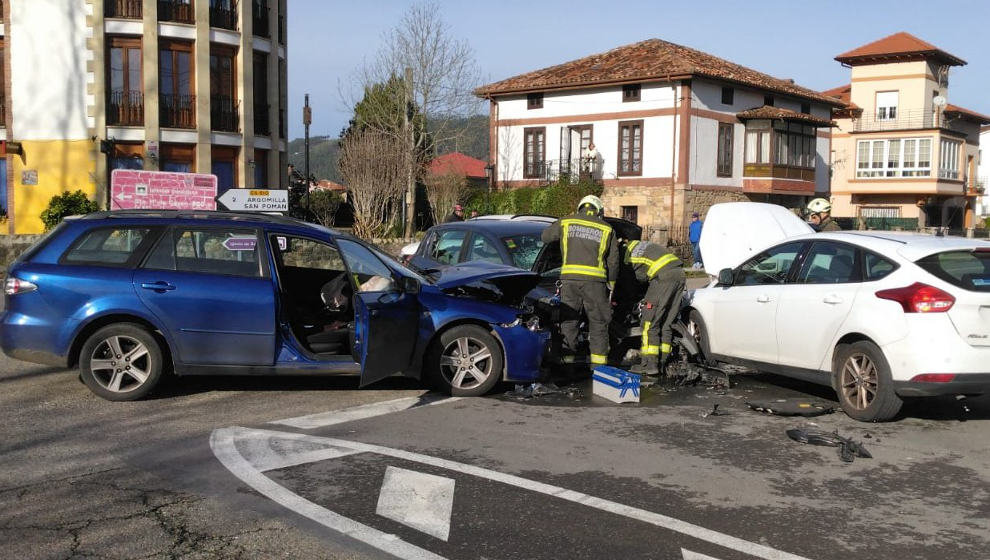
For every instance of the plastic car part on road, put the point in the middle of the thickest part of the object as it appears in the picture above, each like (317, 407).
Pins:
(848, 449)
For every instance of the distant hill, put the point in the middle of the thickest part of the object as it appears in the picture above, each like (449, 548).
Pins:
(471, 140)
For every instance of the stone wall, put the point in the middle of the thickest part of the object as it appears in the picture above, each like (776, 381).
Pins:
(11, 246)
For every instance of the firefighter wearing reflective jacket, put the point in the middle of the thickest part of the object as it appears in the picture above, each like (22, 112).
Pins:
(664, 273)
(590, 266)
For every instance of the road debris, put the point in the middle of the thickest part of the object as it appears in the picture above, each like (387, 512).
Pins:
(532, 390)
(848, 449)
(791, 407)
(714, 412)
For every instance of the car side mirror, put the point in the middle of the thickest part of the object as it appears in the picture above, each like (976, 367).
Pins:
(725, 277)
(409, 285)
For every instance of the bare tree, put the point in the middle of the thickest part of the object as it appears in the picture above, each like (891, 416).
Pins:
(439, 73)
(444, 190)
(373, 165)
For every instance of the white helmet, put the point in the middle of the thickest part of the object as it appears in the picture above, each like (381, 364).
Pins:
(594, 202)
(818, 206)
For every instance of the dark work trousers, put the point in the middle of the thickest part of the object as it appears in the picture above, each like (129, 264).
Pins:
(592, 297)
(663, 301)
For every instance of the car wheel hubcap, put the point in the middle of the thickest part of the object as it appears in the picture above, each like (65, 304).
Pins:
(859, 381)
(466, 363)
(120, 364)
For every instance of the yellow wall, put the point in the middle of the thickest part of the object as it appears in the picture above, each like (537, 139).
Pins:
(62, 165)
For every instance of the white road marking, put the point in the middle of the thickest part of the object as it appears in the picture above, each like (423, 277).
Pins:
(418, 500)
(278, 452)
(361, 412)
(688, 555)
(223, 447)
(222, 442)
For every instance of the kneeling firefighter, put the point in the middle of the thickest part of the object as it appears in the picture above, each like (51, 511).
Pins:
(590, 267)
(664, 274)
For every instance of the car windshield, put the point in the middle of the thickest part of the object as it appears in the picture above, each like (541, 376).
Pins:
(969, 270)
(524, 249)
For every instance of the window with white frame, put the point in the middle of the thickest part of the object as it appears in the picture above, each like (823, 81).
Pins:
(948, 159)
(894, 157)
(886, 105)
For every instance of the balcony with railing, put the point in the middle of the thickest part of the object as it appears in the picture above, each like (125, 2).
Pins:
(223, 14)
(125, 9)
(262, 120)
(260, 18)
(125, 108)
(177, 111)
(223, 114)
(910, 119)
(179, 11)
(572, 171)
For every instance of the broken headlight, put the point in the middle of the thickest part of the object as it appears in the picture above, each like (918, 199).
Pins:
(531, 322)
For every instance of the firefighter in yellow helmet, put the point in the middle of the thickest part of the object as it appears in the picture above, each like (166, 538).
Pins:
(664, 273)
(590, 267)
(819, 213)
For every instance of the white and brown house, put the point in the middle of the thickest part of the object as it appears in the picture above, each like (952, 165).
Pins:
(675, 130)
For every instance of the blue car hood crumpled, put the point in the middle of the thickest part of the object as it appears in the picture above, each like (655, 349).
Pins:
(496, 283)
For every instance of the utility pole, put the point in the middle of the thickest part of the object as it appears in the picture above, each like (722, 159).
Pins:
(411, 155)
(307, 119)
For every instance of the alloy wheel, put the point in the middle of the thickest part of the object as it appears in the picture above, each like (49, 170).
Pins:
(120, 364)
(858, 380)
(466, 363)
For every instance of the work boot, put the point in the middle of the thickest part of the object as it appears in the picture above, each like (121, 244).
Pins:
(664, 361)
(647, 366)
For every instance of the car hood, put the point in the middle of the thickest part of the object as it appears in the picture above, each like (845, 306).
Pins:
(485, 281)
(735, 231)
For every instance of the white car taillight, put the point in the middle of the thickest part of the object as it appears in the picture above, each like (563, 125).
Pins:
(919, 298)
(14, 286)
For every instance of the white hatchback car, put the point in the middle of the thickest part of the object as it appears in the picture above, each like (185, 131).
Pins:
(876, 315)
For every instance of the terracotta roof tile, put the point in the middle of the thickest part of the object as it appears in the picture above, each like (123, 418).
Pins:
(652, 59)
(456, 162)
(843, 93)
(897, 45)
(951, 109)
(769, 112)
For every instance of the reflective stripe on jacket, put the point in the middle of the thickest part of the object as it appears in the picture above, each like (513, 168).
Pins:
(587, 246)
(648, 258)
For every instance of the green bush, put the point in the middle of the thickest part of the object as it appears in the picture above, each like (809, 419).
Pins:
(986, 222)
(557, 199)
(67, 204)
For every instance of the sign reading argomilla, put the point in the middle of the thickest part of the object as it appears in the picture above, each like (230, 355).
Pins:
(255, 200)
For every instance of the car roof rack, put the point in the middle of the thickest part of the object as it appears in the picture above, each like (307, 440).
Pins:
(197, 214)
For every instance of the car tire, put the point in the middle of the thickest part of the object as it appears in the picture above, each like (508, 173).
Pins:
(696, 326)
(121, 362)
(861, 378)
(472, 375)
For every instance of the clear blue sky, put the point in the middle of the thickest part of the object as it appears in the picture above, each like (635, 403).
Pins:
(796, 39)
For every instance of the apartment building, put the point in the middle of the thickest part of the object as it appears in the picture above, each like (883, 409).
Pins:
(674, 130)
(170, 85)
(902, 155)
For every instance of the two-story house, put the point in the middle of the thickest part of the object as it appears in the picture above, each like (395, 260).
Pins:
(674, 130)
(901, 153)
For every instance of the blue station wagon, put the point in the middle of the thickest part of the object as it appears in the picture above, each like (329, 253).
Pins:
(130, 296)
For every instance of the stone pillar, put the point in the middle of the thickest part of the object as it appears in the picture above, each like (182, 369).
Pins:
(149, 56)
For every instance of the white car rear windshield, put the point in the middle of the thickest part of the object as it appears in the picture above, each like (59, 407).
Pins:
(969, 270)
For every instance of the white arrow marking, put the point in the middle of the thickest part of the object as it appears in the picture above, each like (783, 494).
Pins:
(361, 412)
(222, 443)
(688, 555)
(418, 500)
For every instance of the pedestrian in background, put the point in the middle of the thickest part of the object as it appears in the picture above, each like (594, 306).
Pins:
(456, 216)
(474, 214)
(694, 236)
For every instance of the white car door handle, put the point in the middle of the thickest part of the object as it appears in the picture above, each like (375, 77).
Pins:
(763, 298)
(832, 299)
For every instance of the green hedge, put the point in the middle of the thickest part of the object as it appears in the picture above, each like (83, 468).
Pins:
(558, 199)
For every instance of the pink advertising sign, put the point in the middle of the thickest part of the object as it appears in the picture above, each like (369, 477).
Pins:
(162, 190)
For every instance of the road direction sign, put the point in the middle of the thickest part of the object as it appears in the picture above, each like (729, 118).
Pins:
(255, 200)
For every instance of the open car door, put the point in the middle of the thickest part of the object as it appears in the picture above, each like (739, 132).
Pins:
(386, 318)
